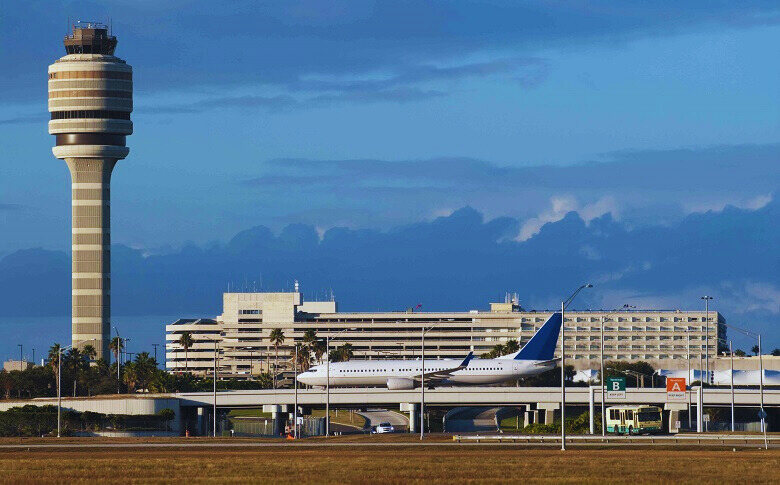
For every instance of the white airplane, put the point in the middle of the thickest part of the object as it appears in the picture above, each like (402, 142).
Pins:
(535, 357)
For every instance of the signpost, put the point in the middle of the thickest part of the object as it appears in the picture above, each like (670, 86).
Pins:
(616, 387)
(675, 389)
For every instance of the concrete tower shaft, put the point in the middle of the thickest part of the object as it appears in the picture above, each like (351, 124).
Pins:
(90, 100)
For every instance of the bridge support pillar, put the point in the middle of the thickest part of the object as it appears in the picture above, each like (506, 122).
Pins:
(200, 423)
(590, 410)
(549, 409)
(699, 411)
(414, 420)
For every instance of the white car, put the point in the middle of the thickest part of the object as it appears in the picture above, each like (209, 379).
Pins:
(384, 428)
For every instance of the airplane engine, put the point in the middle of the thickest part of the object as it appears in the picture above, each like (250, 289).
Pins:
(400, 384)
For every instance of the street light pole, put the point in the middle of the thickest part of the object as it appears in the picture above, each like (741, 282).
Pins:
(731, 353)
(215, 389)
(295, 409)
(688, 379)
(563, 377)
(20, 356)
(118, 355)
(603, 417)
(59, 390)
(422, 383)
(563, 362)
(327, 386)
(707, 299)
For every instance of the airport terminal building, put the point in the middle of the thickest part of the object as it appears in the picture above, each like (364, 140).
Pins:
(240, 336)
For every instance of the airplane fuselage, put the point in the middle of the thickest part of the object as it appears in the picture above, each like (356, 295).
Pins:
(378, 372)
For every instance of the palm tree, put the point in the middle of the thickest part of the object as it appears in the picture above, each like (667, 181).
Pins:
(116, 346)
(89, 352)
(277, 338)
(755, 350)
(309, 338)
(512, 346)
(143, 370)
(304, 358)
(342, 353)
(319, 349)
(186, 341)
(54, 361)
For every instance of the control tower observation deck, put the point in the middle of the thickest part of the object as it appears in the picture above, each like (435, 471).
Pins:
(90, 100)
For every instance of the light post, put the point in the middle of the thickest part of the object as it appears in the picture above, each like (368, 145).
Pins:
(216, 356)
(423, 331)
(707, 299)
(118, 358)
(564, 303)
(295, 409)
(59, 388)
(20, 356)
(762, 413)
(155, 353)
(327, 379)
(731, 354)
(688, 379)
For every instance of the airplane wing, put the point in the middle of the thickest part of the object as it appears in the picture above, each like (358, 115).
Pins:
(445, 373)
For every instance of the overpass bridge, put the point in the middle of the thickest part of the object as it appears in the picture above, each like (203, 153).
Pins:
(464, 396)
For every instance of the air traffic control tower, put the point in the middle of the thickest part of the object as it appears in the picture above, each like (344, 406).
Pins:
(90, 100)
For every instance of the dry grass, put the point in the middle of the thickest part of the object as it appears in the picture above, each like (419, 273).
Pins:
(389, 465)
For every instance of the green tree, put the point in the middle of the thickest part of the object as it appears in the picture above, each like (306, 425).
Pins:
(186, 341)
(512, 346)
(89, 352)
(776, 352)
(277, 338)
(117, 346)
(143, 370)
(54, 360)
(739, 353)
(755, 350)
(319, 349)
(342, 353)
(304, 358)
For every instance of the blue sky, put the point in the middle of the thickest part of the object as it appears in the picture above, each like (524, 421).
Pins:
(375, 115)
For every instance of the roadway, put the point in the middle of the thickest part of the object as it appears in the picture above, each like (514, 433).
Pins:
(518, 441)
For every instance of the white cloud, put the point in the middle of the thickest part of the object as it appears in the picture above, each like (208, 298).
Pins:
(560, 206)
(750, 203)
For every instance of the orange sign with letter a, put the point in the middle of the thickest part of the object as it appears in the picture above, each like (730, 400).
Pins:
(675, 389)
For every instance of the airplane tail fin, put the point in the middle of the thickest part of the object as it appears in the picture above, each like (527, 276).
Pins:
(542, 344)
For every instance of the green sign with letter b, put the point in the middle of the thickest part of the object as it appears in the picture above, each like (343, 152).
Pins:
(616, 387)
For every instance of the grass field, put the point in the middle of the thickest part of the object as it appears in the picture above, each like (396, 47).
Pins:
(389, 465)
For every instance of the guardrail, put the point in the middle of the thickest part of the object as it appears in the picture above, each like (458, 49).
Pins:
(652, 439)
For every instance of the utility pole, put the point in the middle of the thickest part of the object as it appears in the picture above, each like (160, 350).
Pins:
(155, 352)
(118, 358)
(215, 388)
(688, 379)
(20, 356)
(731, 353)
(422, 383)
(603, 417)
(563, 361)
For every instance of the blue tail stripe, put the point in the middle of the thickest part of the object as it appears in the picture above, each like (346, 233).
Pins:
(542, 344)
